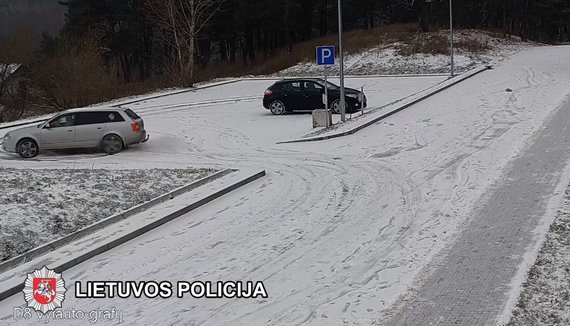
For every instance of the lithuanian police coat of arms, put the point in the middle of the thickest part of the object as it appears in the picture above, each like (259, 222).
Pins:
(44, 290)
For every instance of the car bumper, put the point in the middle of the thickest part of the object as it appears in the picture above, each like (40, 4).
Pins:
(142, 137)
(355, 105)
(9, 146)
(133, 138)
(146, 137)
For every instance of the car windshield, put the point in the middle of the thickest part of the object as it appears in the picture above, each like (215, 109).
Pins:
(54, 116)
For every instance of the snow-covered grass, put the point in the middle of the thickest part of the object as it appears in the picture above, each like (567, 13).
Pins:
(545, 296)
(422, 54)
(40, 205)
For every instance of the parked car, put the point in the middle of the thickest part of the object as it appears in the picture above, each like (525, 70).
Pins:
(110, 129)
(306, 94)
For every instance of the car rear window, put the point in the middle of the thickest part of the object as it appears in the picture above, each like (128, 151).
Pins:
(131, 114)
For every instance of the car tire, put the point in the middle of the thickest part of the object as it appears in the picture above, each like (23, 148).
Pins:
(112, 144)
(335, 107)
(27, 148)
(277, 108)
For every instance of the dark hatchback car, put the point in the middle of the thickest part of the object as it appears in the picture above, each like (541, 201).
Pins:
(307, 94)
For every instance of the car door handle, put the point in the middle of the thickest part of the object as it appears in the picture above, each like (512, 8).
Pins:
(99, 128)
(70, 130)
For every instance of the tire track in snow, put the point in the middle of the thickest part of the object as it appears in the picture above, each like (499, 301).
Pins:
(323, 252)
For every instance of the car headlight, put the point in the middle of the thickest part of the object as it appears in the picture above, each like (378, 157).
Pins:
(352, 95)
(7, 137)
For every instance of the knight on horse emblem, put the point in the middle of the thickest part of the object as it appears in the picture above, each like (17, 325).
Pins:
(44, 290)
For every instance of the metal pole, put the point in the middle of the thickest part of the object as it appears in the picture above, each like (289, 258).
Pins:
(362, 99)
(341, 60)
(451, 32)
(326, 91)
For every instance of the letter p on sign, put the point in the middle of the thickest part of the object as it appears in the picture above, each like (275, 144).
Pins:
(325, 55)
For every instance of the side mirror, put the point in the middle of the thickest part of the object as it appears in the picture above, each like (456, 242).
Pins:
(47, 125)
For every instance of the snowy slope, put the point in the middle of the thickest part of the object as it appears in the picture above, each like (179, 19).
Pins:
(474, 48)
(338, 229)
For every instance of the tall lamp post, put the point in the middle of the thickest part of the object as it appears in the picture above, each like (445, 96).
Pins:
(341, 62)
(451, 42)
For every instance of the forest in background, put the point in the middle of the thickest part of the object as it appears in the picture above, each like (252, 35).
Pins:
(114, 48)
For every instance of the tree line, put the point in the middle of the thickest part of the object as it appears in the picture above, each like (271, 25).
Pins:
(145, 36)
(108, 45)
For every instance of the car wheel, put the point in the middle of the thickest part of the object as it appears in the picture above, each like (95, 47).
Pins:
(112, 144)
(277, 108)
(27, 148)
(336, 106)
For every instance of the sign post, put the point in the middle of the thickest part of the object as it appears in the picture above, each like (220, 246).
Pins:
(451, 37)
(326, 57)
(326, 99)
(341, 59)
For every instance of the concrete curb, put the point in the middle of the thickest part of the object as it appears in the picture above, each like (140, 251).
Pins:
(62, 266)
(384, 116)
(36, 252)
(151, 110)
(348, 77)
(21, 124)
(116, 105)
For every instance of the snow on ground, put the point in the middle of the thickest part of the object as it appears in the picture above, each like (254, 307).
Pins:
(545, 296)
(221, 105)
(474, 49)
(338, 229)
(38, 206)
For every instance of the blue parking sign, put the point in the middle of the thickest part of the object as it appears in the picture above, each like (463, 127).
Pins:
(325, 55)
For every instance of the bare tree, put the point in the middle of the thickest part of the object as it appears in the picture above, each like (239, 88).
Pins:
(16, 52)
(75, 75)
(180, 23)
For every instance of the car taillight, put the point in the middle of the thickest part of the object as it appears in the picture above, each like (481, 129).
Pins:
(136, 126)
(268, 92)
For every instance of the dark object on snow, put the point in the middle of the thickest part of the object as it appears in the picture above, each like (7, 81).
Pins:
(306, 94)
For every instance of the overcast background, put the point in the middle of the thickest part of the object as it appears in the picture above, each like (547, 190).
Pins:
(42, 15)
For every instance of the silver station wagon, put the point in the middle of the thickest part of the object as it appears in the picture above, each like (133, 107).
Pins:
(110, 129)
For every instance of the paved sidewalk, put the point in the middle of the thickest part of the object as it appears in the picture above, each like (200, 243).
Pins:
(471, 285)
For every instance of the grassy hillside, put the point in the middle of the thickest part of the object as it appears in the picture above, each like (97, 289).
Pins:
(392, 49)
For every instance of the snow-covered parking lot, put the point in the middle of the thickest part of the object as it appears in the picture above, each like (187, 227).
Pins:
(338, 229)
(237, 107)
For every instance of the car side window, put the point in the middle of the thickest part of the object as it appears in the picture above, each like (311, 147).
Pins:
(110, 116)
(65, 120)
(87, 118)
(90, 118)
(292, 86)
(312, 87)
